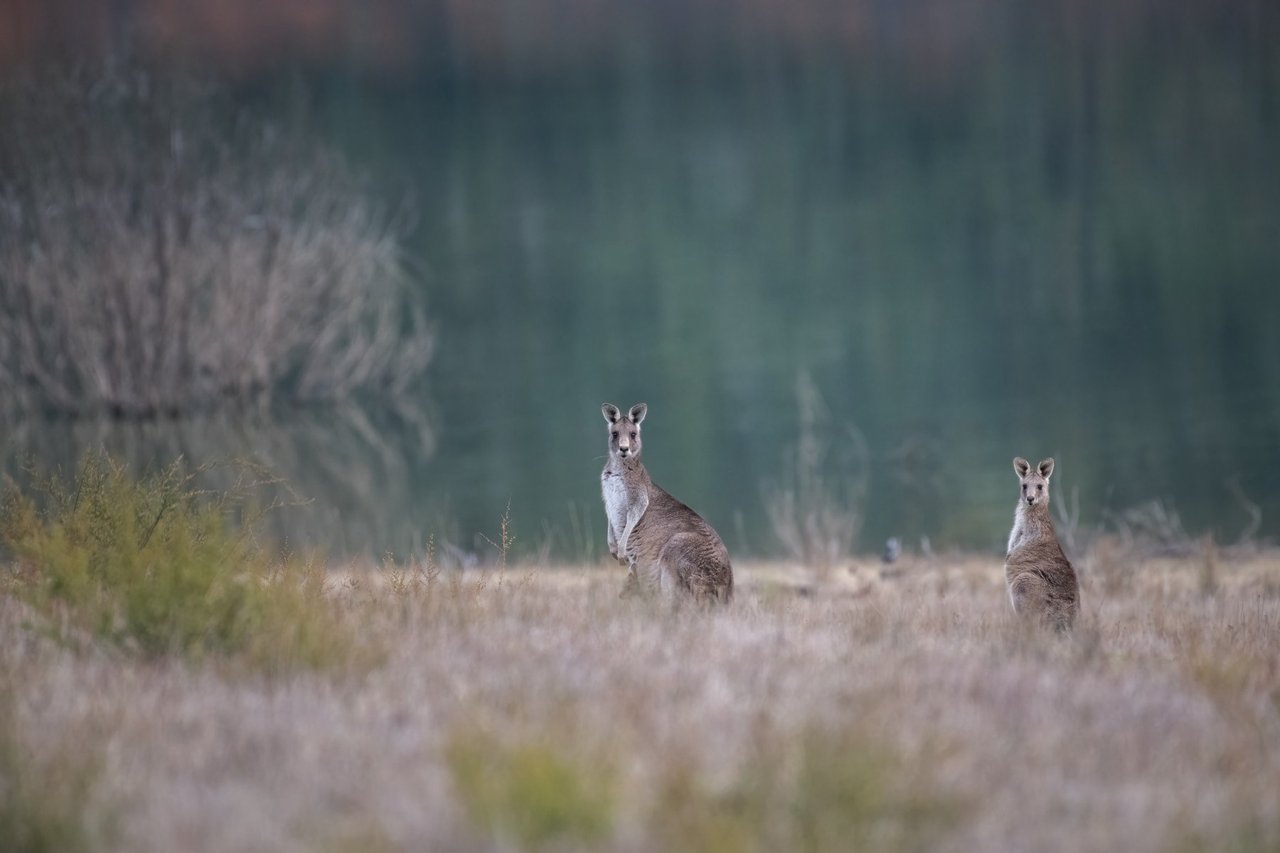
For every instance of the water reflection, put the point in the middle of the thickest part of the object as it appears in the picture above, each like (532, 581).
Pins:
(1038, 230)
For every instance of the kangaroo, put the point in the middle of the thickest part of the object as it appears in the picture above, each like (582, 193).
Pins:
(1041, 581)
(667, 547)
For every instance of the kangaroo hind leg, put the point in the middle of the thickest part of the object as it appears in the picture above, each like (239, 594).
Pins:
(1026, 594)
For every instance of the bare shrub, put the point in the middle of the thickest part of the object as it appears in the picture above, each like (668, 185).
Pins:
(165, 251)
(1247, 538)
(816, 508)
(1075, 538)
(1153, 528)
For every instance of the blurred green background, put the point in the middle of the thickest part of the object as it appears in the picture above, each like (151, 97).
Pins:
(981, 229)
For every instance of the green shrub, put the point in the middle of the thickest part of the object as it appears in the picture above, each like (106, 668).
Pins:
(1247, 834)
(529, 792)
(158, 568)
(815, 791)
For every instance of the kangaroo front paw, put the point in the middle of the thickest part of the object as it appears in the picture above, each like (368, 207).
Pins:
(631, 587)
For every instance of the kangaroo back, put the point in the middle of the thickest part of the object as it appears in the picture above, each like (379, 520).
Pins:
(667, 547)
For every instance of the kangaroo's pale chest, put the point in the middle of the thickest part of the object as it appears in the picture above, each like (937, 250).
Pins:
(1028, 528)
(1015, 535)
(617, 498)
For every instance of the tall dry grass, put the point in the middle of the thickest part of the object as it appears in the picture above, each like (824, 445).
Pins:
(816, 506)
(528, 708)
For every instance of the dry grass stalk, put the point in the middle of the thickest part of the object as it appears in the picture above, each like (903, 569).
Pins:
(1075, 538)
(816, 507)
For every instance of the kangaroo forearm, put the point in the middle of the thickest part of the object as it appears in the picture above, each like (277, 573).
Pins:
(633, 518)
(626, 537)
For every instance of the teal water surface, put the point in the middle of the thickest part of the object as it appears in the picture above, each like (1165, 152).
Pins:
(1038, 238)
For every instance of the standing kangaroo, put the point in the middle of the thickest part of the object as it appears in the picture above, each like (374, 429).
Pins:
(667, 547)
(1040, 578)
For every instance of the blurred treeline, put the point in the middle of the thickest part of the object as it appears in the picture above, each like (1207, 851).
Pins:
(978, 226)
(942, 40)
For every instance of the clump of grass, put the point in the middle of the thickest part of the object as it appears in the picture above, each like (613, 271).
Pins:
(1250, 834)
(529, 792)
(1110, 563)
(43, 798)
(1208, 565)
(819, 790)
(155, 567)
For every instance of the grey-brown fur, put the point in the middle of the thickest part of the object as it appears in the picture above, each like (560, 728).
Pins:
(1041, 581)
(667, 547)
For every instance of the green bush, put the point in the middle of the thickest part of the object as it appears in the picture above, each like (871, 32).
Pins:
(156, 568)
(529, 792)
(814, 791)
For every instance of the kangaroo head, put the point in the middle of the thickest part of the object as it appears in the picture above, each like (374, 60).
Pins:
(624, 430)
(1034, 481)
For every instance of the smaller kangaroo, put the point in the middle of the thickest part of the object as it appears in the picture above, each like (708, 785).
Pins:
(1041, 581)
(667, 547)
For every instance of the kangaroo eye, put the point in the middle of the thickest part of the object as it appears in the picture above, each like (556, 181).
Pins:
(1039, 487)
(633, 435)
(615, 433)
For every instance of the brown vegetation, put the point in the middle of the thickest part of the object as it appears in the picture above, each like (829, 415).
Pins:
(529, 709)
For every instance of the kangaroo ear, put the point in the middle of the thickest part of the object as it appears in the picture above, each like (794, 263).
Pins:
(1046, 468)
(610, 412)
(1021, 465)
(638, 411)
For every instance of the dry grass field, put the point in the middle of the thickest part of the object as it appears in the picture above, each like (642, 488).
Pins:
(528, 708)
